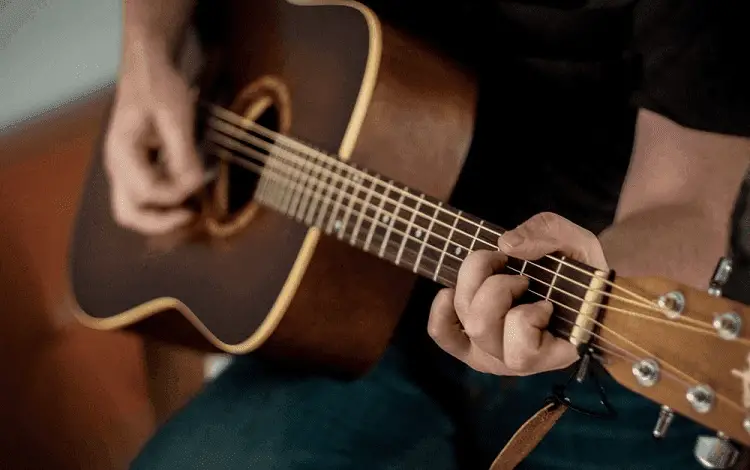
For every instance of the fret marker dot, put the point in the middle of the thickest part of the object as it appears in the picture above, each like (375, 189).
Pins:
(458, 250)
(418, 233)
(386, 219)
(337, 225)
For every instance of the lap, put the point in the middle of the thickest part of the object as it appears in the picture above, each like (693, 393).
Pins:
(253, 416)
(411, 411)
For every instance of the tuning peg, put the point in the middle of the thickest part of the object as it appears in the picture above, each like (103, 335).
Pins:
(715, 452)
(720, 277)
(662, 424)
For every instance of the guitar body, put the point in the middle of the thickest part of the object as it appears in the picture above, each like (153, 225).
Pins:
(333, 75)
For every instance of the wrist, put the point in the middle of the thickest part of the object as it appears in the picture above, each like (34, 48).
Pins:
(142, 45)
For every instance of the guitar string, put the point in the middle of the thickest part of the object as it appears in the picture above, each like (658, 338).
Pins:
(552, 300)
(370, 191)
(627, 356)
(246, 124)
(664, 374)
(604, 293)
(603, 327)
(325, 158)
(708, 327)
(552, 286)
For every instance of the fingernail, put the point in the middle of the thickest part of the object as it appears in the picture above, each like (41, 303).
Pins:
(510, 239)
(546, 305)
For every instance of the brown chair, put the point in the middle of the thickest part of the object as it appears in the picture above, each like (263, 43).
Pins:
(71, 398)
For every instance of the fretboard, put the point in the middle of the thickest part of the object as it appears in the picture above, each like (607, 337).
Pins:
(411, 230)
(390, 220)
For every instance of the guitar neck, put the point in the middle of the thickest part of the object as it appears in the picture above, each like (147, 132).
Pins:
(393, 221)
(408, 228)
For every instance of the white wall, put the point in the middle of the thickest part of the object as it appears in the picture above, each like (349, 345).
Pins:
(53, 51)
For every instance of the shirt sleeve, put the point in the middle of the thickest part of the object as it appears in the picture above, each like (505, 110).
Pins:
(694, 62)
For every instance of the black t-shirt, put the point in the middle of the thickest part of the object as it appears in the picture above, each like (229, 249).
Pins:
(560, 82)
(560, 85)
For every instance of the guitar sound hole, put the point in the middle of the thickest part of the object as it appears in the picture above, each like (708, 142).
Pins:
(242, 182)
(266, 106)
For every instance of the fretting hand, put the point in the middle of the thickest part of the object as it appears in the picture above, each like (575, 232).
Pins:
(475, 322)
(153, 111)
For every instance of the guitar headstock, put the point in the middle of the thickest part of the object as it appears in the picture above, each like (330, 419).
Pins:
(686, 349)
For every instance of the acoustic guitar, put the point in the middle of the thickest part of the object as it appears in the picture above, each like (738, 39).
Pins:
(320, 216)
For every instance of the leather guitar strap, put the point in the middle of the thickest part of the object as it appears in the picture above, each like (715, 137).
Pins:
(528, 436)
(533, 431)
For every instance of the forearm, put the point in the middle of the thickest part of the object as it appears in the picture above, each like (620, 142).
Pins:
(158, 25)
(679, 242)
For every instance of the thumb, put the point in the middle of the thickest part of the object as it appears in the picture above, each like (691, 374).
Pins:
(547, 233)
(175, 124)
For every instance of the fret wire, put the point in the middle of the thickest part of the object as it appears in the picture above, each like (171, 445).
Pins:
(445, 246)
(476, 235)
(333, 222)
(277, 196)
(523, 268)
(318, 193)
(408, 228)
(308, 202)
(358, 223)
(390, 224)
(426, 237)
(293, 147)
(287, 198)
(449, 281)
(293, 205)
(554, 278)
(420, 201)
(353, 197)
(323, 214)
(378, 213)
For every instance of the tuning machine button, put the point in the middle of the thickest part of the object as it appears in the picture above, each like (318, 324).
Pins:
(715, 452)
(720, 277)
(666, 415)
(672, 303)
(728, 325)
(646, 372)
(701, 397)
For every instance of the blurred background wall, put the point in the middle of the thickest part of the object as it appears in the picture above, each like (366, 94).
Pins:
(54, 51)
(70, 398)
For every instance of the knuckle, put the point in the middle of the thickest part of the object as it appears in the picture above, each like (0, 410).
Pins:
(547, 221)
(518, 360)
(590, 237)
(434, 329)
(476, 326)
(122, 216)
(479, 367)
(476, 258)
(442, 302)
(496, 292)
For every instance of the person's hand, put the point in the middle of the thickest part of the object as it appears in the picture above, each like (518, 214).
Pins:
(475, 322)
(153, 112)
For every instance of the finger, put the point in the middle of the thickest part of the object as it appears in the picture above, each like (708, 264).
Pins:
(547, 233)
(175, 121)
(146, 221)
(529, 348)
(128, 166)
(445, 329)
(475, 269)
(484, 321)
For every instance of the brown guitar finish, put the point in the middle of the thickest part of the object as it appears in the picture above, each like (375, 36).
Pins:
(347, 303)
(688, 353)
